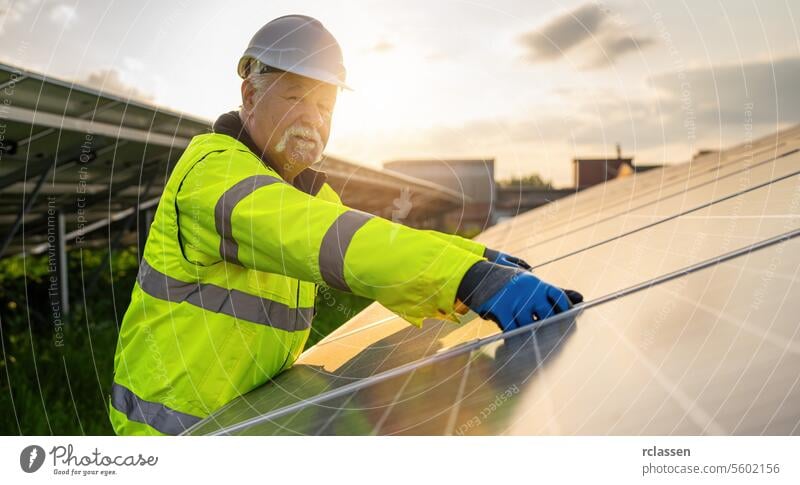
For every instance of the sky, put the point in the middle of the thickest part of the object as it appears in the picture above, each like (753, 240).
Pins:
(532, 84)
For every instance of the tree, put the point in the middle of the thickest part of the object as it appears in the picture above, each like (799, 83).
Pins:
(532, 180)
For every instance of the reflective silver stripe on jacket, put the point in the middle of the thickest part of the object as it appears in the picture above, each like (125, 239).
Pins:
(216, 299)
(153, 414)
(223, 211)
(334, 247)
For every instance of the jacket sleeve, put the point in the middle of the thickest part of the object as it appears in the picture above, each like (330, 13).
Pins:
(464, 243)
(235, 209)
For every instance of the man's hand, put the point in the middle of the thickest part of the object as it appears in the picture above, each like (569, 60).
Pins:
(512, 297)
(522, 301)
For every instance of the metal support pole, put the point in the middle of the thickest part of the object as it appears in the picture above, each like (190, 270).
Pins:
(61, 261)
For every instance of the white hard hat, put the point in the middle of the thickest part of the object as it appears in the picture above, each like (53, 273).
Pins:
(297, 44)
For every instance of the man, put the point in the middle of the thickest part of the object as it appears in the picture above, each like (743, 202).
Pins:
(244, 232)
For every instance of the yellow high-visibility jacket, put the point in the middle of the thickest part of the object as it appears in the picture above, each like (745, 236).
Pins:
(225, 293)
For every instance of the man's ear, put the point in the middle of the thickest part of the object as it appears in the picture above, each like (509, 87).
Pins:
(247, 95)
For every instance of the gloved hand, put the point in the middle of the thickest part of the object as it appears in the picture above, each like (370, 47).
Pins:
(511, 297)
(505, 259)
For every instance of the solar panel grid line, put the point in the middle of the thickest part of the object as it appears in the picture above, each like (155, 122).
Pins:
(682, 172)
(377, 427)
(761, 390)
(552, 212)
(528, 347)
(661, 199)
(694, 412)
(650, 203)
(786, 346)
(468, 346)
(339, 408)
(453, 416)
(742, 325)
(544, 380)
(697, 415)
(663, 238)
(284, 425)
(783, 354)
(452, 410)
(470, 357)
(289, 395)
(349, 364)
(700, 265)
(619, 382)
(213, 417)
(352, 362)
(668, 218)
(385, 359)
(776, 340)
(726, 217)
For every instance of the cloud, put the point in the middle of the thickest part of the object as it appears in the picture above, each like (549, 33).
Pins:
(711, 110)
(698, 108)
(588, 26)
(110, 81)
(562, 33)
(614, 46)
(719, 94)
(62, 14)
(12, 11)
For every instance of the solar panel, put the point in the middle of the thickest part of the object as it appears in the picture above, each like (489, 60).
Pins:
(689, 328)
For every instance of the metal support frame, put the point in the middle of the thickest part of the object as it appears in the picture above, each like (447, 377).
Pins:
(65, 158)
(142, 219)
(91, 200)
(26, 206)
(62, 262)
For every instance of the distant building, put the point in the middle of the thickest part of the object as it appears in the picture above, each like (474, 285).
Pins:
(592, 171)
(514, 199)
(474, 179)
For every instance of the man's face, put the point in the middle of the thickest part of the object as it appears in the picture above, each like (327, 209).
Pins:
(290, 120)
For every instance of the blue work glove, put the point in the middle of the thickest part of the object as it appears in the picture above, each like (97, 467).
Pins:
(505, 259)
(511, 297)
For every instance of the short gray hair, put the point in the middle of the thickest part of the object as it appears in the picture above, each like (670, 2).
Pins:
(260, 83)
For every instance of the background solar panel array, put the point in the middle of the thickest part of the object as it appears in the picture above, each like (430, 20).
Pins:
(690, 325)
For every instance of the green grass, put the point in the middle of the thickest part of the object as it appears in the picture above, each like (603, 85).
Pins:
(50, 389)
